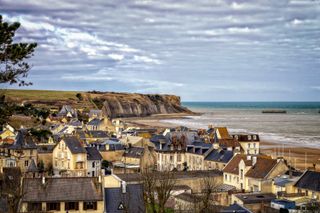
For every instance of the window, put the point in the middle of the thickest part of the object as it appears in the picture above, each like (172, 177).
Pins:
(34, 207)
(90, 205)
(171, 158)
(26, 163)
(53, 206)
(225, 176)
(72, 206)
(249, 145)
(254, 145)
(93, 164)
(92, 173)
(241, 174)
(179, 157)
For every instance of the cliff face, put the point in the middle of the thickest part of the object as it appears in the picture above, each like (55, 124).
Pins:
(136, 105)
(113, 104)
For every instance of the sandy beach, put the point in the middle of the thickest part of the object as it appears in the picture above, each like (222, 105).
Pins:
(298, 156)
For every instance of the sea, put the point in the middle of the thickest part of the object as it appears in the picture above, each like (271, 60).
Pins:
(300, 126)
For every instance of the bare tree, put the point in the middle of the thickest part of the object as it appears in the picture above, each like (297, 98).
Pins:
(157, 188)
(11, 188)
(208, 185)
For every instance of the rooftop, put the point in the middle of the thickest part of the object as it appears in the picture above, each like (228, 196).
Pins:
(61, 189)
(249, 198)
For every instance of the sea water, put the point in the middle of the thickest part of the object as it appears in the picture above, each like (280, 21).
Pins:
(300, 126)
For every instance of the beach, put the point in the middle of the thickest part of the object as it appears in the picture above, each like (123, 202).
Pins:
(300, 156)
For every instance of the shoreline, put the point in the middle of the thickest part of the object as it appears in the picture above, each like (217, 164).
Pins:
(301, 157)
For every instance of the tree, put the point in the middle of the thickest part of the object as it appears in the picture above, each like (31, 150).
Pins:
(11, 188)
(157, 188)
(79, 96)
(13, 56)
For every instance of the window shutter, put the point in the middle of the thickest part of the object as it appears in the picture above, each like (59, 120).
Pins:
(66, 206)
(58, 206)
(95, 205)
(84, 205)
(77, 205)
(48, 206)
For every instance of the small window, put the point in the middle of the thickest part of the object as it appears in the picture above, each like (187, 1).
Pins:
(225, 176)
(53, 206)
(93, 164)
(89, 205)
(26, 163)
(72, 206)
(35, 206)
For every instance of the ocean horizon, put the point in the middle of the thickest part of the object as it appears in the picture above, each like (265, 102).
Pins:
(299, 126)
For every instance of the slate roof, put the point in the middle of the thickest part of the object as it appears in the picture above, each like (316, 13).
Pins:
(93, 153)
(98, 134)
(250, 198)
(191, 198)
(233, 165)
(67, 108)
(134, 152)
(23, 141)
(32, 167)
(48, 148)
(261, 168)
(177, 175)
(61, 189)
(74, 145)
(235, 208)
(281, 181)
(95, 112)
(309, 180)
(132, 199)
(95, 122)
(219, 155)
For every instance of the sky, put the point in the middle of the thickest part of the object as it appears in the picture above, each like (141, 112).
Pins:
(201, 50)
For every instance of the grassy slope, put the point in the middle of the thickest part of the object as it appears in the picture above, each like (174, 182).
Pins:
(40, 94)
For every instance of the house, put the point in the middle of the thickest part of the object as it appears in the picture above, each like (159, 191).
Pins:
(171, 149)
(309, 184)
(187, 202)
(96, 135)
(143, 157)
(253, 201)
(95, 113)
(121, 196)
(111, 150)
(8, 134)
(94, 160)
(45, 152)
(66, 194)
(20, 153)
(195, 154)
(253, 173)
(217, 158)
(67, 112)
(250, 143)
(97, 124)
(235, 208)
(69, 157)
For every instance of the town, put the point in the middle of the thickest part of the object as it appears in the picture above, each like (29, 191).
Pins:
(102, 164)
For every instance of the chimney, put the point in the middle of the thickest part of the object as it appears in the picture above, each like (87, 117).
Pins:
(248, 157)
(254, 160)
(123, 187)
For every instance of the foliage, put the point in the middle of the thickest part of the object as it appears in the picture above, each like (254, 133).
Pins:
(41, 134)
(40, 166)
(83, 117)
(13, 65)
(98, 102)
(105, 164)
(79, 96)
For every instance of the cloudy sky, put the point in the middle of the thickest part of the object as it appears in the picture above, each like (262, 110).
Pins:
(208, 50)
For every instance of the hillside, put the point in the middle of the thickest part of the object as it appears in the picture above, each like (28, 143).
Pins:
(114, 104)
